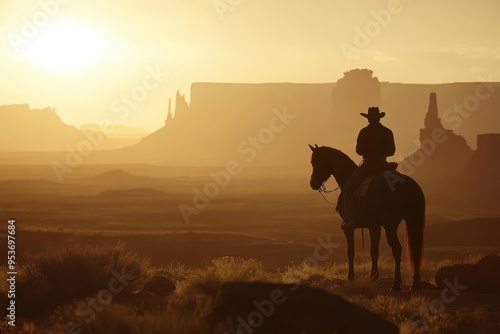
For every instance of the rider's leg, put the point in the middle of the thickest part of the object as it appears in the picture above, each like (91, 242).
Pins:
(350, 195)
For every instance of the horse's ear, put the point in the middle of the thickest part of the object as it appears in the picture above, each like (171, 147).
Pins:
(312, 148)
(316, 145)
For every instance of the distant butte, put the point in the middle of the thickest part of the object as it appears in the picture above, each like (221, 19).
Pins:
(442, 153)
(220, 122)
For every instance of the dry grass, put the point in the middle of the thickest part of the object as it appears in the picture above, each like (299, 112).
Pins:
(186, 310)
(57, 277)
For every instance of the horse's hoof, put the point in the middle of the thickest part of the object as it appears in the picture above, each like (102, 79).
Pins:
(350, 279)
(415, 288)
(375, 278)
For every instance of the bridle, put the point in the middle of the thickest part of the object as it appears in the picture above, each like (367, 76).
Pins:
(323, 190)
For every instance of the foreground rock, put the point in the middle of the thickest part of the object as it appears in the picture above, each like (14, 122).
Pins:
(152, 297)
(482, 276)
(159, 285)
(259, 307)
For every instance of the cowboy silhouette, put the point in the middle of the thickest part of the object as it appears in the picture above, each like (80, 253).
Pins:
(375, 143)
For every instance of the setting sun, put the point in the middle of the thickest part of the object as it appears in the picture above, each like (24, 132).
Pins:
(232, 166)
(70, 46)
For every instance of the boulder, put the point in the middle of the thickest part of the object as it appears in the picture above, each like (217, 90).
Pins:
(261, 307)
(488, 269)
(159, 285)
(482, 276)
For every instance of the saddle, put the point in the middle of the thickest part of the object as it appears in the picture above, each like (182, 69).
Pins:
(365, 185)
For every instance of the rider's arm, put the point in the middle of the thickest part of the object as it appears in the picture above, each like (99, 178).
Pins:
(391, 146)
(360, 145)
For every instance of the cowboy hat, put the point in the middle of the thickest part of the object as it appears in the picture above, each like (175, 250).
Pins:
(373, 112)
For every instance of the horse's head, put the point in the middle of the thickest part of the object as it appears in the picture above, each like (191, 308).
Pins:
(321, 168)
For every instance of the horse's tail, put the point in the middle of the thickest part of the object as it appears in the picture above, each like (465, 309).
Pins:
(415, 227)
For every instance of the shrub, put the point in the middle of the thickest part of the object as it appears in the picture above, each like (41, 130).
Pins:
(207, 280)
(57, 277)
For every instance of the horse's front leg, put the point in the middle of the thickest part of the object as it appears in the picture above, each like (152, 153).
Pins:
(391, 232)
(374, 252)
(349, 235)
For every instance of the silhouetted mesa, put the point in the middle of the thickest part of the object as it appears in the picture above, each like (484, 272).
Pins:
(42, 130)
(36, 130)
(355, 92)
(486, 159)
(209, 129)
(481, 174)
(216, 125)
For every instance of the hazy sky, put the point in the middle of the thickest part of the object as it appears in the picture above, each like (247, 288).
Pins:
(84, 56)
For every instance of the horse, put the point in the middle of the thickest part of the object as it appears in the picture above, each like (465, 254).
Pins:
(391, 197)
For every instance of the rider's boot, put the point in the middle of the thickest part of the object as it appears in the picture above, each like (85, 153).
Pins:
(348, 225)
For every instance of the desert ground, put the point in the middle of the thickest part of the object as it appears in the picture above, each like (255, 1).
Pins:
(275, 222)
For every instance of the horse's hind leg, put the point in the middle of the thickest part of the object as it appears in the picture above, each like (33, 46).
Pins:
(391, 234)
(349, 236)
(374, 252)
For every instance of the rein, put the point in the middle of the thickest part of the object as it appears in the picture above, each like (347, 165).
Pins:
(322, 190)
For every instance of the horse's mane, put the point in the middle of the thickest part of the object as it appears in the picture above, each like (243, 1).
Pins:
(344, 166)
(341, 158)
